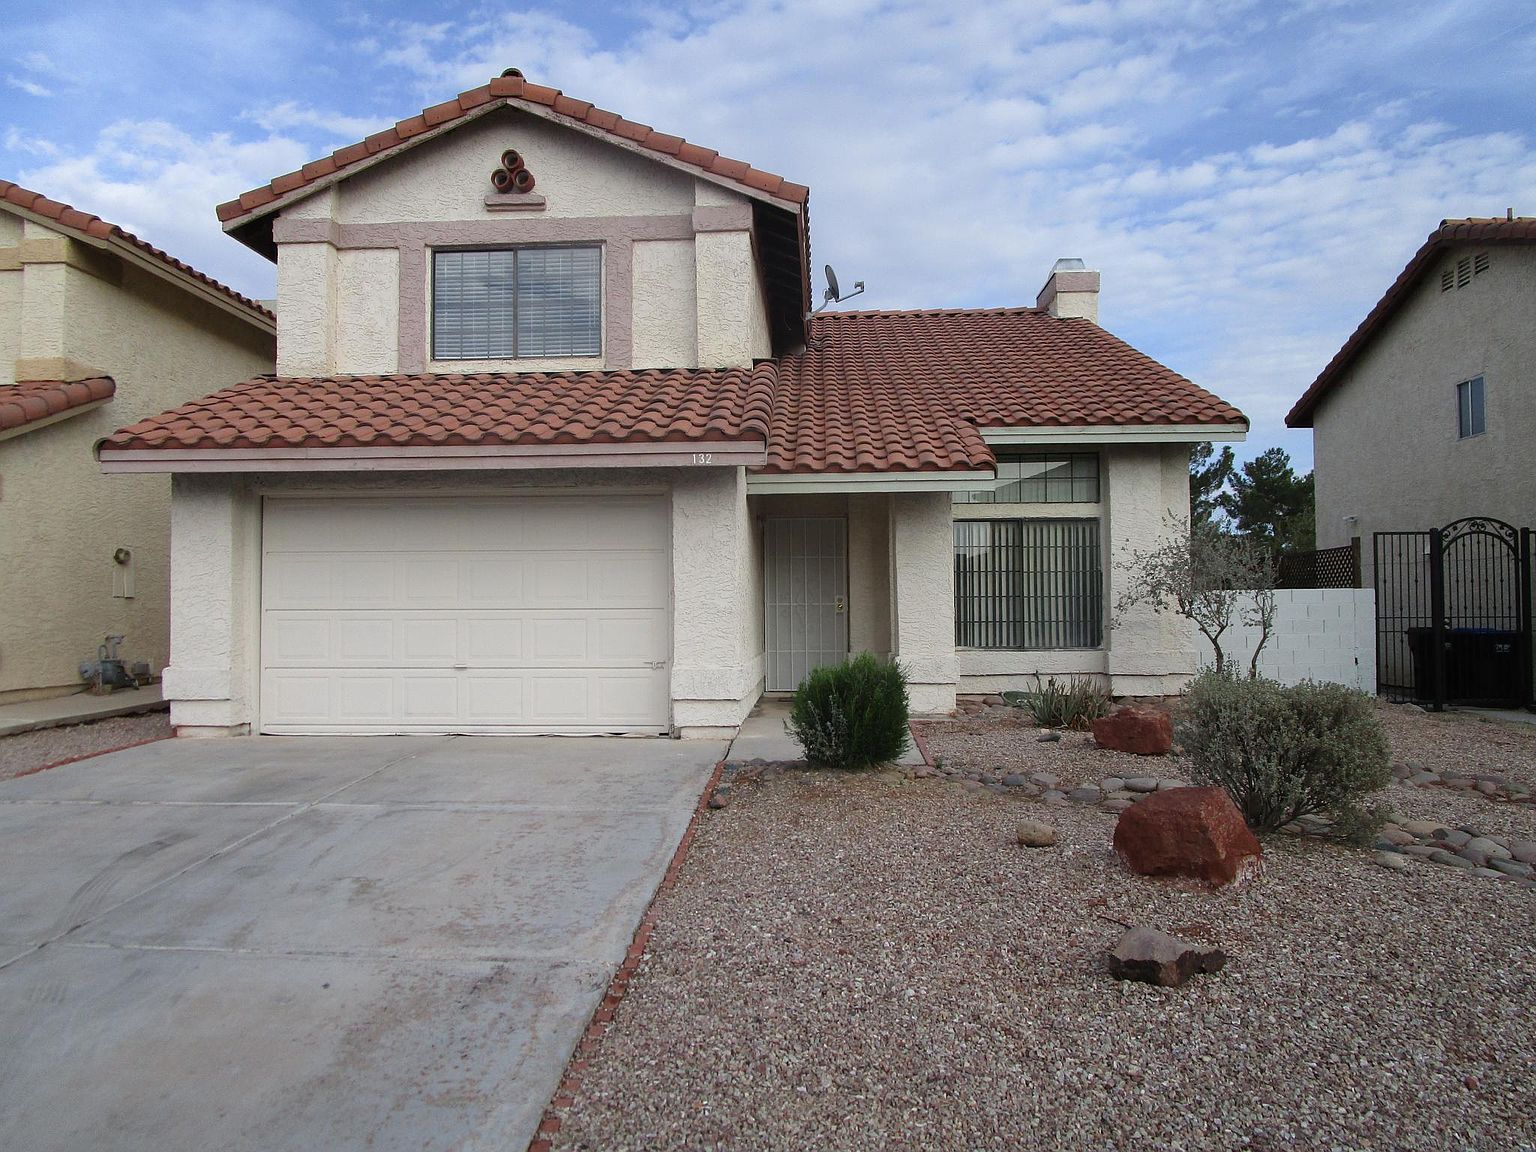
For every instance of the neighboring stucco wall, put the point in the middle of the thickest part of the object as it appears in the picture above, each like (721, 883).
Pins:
(1322, 634)
(716, 662)
(679, 276)
(1385, 441)
(1144, 653)
(60, 518)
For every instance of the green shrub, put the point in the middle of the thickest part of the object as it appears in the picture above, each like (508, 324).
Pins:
(1283, 753)
(1075, 703)
(851, 715)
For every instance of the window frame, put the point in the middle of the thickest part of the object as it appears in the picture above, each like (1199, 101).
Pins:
(1068, 457)
(1471, 407)
(433, 252)
(1093, 614)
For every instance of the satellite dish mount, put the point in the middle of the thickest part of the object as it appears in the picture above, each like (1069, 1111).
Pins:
(834, 294)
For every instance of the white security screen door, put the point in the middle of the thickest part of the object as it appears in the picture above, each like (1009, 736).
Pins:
(805, 597)
(457, 614)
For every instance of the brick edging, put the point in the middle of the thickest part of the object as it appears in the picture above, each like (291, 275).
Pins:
(88, 756)
(602, 1016)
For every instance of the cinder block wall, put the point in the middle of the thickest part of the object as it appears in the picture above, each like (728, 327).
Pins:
(1324, 634)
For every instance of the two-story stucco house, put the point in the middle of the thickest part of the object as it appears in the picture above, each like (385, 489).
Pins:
(1427, 414)
(97, 328)
(554, 445)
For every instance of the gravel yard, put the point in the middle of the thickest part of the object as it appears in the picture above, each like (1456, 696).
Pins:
(28, 751)
(852, 962)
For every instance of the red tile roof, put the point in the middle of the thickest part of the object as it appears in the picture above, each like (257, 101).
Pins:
(69, 219)
(535, 408)
(907, 391)
(515, 89)
(879, 392)
(1485, 230)
(28, 401)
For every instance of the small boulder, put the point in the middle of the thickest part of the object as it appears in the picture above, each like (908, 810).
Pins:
(1142, 784)
(1142, 731)
(1195, 832)
(1087, 794)
(1050, 737)
(720, 798)
(1421, 829)
(1155, 957)
(1393, 861)
(1112, 784)
(1524, 851)
(1488, 847)
(1036, 834)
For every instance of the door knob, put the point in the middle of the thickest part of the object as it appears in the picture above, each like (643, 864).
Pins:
(839, 604)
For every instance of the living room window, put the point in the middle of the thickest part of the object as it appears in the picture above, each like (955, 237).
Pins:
(1470, 420)
(1041, 478)
(516, 303)
(1028, 584)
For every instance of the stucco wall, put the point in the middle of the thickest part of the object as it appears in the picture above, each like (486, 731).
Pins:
(1385, 440)
(1322, 634)
(716, 663)
(60, 518)
(922, 567)
(665, 307)
(664, 303)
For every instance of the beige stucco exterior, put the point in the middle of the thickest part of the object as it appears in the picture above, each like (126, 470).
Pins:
(679, 282)
(70, 310)
(1385, 441)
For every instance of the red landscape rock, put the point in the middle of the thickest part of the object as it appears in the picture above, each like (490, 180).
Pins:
(1155, 957)
(1140, 730)
(1196, 832)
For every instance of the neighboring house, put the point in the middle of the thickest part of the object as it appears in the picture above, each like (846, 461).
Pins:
(575, 459)
(1427, 414)
(97, 328)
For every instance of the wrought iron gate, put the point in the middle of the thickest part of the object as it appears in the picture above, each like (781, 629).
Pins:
(1453, 615)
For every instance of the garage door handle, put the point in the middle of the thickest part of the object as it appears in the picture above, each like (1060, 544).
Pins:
(461, 667)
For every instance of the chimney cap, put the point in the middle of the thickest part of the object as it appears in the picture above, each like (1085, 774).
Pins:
(1069, 264)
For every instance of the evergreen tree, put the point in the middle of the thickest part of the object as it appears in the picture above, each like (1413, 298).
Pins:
(1268, 503)
(1209, 472)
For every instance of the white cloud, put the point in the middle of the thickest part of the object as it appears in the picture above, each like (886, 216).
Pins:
(30, 87)
(292, 114)
(162, 184)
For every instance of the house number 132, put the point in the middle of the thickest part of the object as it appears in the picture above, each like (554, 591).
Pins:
(703, 457)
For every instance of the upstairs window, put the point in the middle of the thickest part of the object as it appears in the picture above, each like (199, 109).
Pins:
(1041, 478)
(1469, 408)
(516, 303)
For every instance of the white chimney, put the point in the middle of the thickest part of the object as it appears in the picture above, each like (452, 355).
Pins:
(1071, 291)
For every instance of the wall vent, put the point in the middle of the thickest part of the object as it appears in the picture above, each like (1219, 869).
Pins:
(1460, 274)
(1479, 263)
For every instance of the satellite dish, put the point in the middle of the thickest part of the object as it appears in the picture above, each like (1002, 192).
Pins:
(832, 290)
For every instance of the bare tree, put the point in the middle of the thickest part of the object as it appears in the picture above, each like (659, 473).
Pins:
(1210, 577)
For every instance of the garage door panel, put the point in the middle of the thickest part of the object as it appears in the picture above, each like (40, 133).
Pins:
(493, 581)
(429, 699)
(484, 615)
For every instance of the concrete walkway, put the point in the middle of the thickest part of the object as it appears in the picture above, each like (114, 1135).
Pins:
(82, 707)
(290, 943)
(762, 736)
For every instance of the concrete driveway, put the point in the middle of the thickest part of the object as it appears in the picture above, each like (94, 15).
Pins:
(290, 943)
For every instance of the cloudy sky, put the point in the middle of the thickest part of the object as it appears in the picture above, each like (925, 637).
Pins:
(1248, 175)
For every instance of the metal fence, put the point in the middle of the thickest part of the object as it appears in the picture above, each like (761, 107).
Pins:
(1453, 614)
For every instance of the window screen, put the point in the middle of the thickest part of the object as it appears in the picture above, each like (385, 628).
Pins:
(510, 303)
(1028, 584)
(1041, 478)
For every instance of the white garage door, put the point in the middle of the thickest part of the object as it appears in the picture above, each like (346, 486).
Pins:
(527, 614)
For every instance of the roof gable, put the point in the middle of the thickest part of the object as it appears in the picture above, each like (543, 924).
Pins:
(1451, 233)
(98, 232)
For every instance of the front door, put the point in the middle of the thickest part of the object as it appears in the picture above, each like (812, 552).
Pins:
(805, 597)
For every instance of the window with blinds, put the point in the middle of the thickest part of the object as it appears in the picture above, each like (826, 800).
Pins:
(1041, 478)
(1028, 584)
(511, 303)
